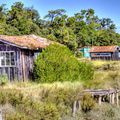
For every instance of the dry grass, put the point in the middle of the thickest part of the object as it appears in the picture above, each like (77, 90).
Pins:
(107, 75)
(99, 63)
(35, 89)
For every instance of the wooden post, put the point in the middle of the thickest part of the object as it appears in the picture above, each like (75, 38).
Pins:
(74, 108)
(23, 66)
(18, 65)
(78, 104)
(99, 100)
(110, 98)
(9, 74)
(117, 99)
(113, 98)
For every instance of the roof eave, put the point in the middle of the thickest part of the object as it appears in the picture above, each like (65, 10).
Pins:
(15, 45)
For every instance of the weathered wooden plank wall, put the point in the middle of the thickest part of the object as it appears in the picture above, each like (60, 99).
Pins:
(24, 63)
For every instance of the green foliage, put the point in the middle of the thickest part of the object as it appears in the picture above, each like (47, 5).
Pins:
(86, 71)
(51, 37)
(63, 98)
(78, 54)
(3, 80)
(15, 98)
(82, 29)
(57, 63)
(87, 103)
(49, 112)
(15, 116)
(3, 98)
(26, 108)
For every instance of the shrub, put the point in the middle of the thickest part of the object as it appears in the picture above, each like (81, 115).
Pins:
(103, 112)
(26, 108)
(15, 98)
(49, 112)
(3, 97)
(3, 80)
(16, 116)
(86, 71)
(57, 63)
(87, 103)
(79, 54)
(62, 98)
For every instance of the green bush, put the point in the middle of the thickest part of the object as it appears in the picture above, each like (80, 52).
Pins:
(79, 54)
(49, 112)
(3, 97)
(86, 71)
(15, 98)
(3, 80)
(57, 63)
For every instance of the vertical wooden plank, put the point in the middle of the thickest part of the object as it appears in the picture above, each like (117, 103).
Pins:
(20, 66)
(117, 99)
(23, 65)
(110, 98)
(113, 98)
(99, 100)
(17, 65)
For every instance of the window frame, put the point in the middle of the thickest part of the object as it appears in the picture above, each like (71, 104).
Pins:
(9, 58)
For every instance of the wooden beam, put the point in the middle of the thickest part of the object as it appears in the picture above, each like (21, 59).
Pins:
(117, 99)
(74, 109)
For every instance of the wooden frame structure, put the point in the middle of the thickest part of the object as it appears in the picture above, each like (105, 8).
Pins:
(112, 94)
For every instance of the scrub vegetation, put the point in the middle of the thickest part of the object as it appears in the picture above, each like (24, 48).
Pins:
(54, 101)
(57, 63)
(29, 101)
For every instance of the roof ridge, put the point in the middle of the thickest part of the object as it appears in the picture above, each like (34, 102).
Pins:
(30, 41)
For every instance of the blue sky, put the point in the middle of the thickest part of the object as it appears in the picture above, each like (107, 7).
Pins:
(103, 8)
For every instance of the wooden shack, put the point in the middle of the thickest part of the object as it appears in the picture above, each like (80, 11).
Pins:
(17, 54)
(105, 53)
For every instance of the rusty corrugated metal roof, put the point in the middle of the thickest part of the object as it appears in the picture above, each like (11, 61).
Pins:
(26, 41)
(103, 48)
